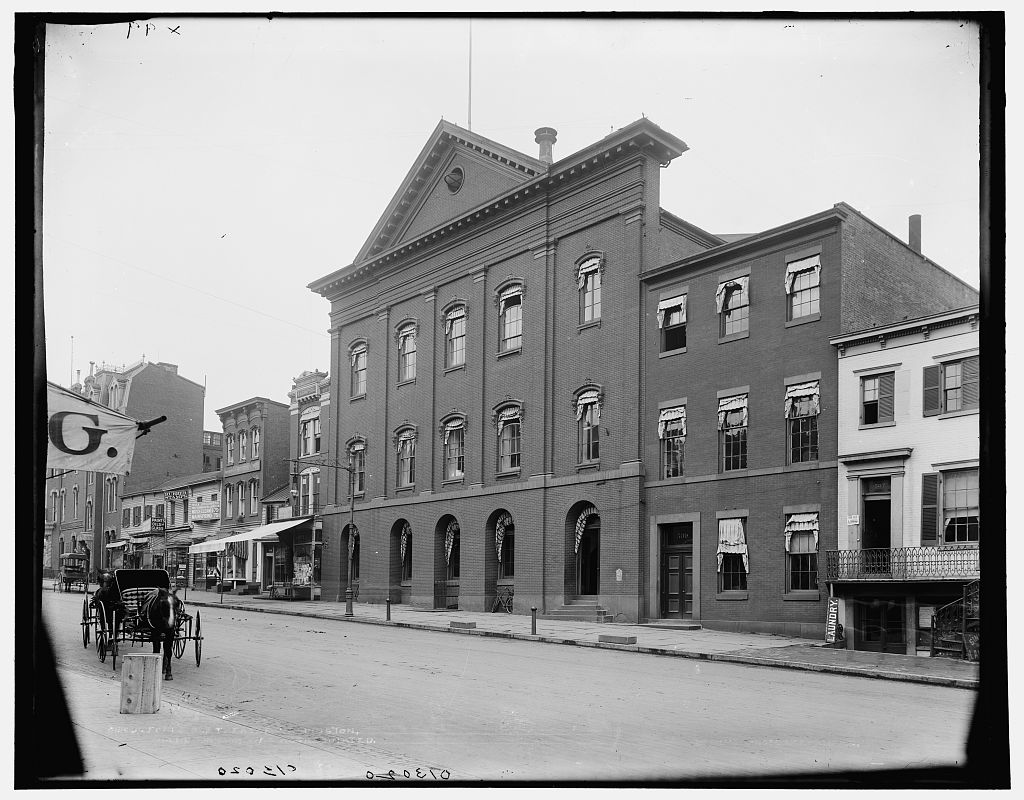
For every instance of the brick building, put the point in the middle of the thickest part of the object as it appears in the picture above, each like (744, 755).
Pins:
(741, 418)
(517, 337)
(908, 499)
(212, 448)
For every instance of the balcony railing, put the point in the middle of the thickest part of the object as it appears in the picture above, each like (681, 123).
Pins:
(903, 564)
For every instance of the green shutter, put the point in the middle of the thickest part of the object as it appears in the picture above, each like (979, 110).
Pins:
(886, 383)
(932, 399)
(969, 380)
(929, 508)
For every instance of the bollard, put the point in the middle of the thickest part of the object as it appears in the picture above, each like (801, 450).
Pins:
(533, 620)
(387, 604)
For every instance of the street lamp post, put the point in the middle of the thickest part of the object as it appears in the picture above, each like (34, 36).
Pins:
(351, 534)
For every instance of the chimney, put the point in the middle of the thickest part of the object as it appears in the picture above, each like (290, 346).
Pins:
(915, 233)
(545, 137)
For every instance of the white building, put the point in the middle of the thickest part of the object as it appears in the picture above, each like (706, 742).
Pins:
(908, 478)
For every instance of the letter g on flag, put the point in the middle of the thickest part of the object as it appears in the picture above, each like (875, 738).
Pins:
(87, 436)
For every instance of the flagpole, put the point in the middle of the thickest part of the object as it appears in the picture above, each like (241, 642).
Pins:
(469, 114)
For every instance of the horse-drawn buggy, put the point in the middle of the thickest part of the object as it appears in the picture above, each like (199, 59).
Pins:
(72, 575)
(135, 606)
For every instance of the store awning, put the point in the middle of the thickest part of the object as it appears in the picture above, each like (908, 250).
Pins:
(265, 533)
(116, 545)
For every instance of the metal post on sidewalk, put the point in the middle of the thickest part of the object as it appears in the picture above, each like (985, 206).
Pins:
(387, 604)
(533, 620)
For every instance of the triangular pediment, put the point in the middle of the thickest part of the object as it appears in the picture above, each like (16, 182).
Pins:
(456, 171)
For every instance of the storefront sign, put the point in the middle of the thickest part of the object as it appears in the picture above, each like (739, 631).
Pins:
(853, 519)
(206, 510)
(832, 620)
(177, 494)
(156, 525)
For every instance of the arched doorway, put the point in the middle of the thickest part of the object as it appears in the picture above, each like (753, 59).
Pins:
(447, 563)
(588, 552)
(400, 563)
(500, 560)
(350, 548)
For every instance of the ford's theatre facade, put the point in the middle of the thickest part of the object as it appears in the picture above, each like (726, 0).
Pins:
(490, 348)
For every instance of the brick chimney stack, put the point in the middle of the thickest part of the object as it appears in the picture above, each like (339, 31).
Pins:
(545, 137)
(915, 233)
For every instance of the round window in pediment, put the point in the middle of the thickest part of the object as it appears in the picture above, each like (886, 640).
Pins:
(453, 180)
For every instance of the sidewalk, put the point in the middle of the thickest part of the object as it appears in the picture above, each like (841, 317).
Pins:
(741, 648)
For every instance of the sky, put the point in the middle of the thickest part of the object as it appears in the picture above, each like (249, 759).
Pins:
(200, 172)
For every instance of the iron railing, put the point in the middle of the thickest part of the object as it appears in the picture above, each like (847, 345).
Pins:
(902, 564)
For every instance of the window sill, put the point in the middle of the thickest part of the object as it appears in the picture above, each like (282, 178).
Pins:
(406, 584)
(588, 465)
(510, 352)
(965, 412)
(888, 424)
(456, 368)
(509, 473)
(405, 489)
(594, 323)
(406, 382)
(454, 481)
(734, 337)
(673, 479)
(733, 472)
(355, 397)
(803, 320)
(731, 595)
(799, 465)
(676, 352)
(802, 595)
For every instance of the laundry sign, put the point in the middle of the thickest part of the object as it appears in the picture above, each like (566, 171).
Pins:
(832, 620)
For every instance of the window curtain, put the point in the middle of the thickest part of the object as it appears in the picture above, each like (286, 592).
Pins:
(451, 316)
(802, 524)
(588, 266)
(499, 531)
(799, 392)
(673, 302)
(581, 523)
(453, 426)
(353, 534)
(736, 283)
(356, 353)
(406, 533)
(667, 415)
(406, 333)
(408, 436)
(449, 540)
(794, 268)
(732, 539)
(588, 398)
(505, 416)
(735, 403)
(512, 291)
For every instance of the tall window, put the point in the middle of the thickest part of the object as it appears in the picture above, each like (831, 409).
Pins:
(53, 506)
(876, 393)
(672, 322)
(510, 314)
(63, 505)
(255, 443)
(588, 416)
(960, 506)
(509, 439)
(406, 459)
(802, 408)
(588, 279)
(231, 448)
(88, 515)
(455, 450)
(357, 453)
(316, 435)
(508, 552)
(243, 446)
(309, 436)
(254, 499)
(733, 565)
(74, 502)
(126, 517)
(455, 337)
(952, 386)
(802, 284)
(184, 509)
(309, 491)
(147, 512)
(137, 516)
(174, 513)
(802, 551)
(229, 501)
(358, 374)
(406, 554)
(90, 478)
(732, 432)
(672, 434)
(733, 306)
(407, 353)
(160, 509)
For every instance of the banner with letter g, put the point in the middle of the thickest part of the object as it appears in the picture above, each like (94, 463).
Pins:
(85, 435)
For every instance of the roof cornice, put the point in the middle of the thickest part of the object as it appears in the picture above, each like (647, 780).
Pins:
(943, 319)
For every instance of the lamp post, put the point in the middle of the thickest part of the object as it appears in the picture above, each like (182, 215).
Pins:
(351, 534)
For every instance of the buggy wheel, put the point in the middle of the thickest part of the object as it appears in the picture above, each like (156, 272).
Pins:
(86, 622)
(197, 635)
(179, 643)
(102, 634)
(113, 641)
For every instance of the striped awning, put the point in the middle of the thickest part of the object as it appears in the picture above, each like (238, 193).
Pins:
(672, 302)
(116, 545)
(794, 268)
(507, 415)
(732, 283)
(581, 523)
(516, 290)
(454, 425)
(735, 403)
(407, 436)
(669, 415)
(588, 266)
(406, 533)
(449, 539)
(408, 332)
(356, 352)
(732, 539)
(499, 531)
(459, 312)
(802, 523)
(588, 398)
(801, 391)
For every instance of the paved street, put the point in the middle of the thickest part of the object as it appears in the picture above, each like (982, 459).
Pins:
(358, 698)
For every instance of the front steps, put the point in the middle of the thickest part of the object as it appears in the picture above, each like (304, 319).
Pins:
(583, 608)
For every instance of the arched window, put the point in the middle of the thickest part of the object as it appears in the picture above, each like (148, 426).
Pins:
(254, 500)
(509, 423)
(357, 458)
(406, 553)
(255, 443)
(229, 501)
(453, 434)
(88, 515)
(406, 444)
(241, 498)
(588, 279)
(243, 446)
(510, 318)
(74, 502)
(309, 491)
(588, 416)
(63, 505)
(230, 439)
(407, 353)
(357, 356)
(455, 336)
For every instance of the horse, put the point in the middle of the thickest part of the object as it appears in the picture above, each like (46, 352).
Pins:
(110, 596)
(161, 612)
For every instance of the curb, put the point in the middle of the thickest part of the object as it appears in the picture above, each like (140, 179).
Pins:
(753, 661)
